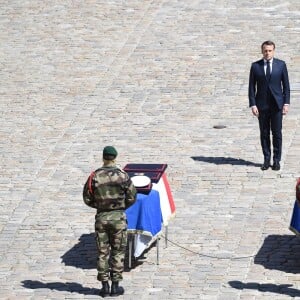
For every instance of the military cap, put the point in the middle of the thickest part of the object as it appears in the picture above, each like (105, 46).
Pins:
(110, 151)
(140, 181)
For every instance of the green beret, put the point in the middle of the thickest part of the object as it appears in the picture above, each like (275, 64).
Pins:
(110, 151)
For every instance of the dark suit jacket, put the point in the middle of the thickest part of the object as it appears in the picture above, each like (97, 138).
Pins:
(278, 84)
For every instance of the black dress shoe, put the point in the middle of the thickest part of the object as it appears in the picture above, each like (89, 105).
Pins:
(276, 166)
(265, 166)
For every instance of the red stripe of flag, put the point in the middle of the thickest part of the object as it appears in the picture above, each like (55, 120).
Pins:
(170, 197)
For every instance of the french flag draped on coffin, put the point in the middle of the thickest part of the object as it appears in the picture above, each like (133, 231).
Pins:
(154, 206)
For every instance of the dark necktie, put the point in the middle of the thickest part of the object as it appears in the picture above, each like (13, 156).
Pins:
(268, 71)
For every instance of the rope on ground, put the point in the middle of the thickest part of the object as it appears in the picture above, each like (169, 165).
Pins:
(207, 255)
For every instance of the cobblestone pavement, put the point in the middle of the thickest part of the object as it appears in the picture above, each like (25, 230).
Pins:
(152, 78)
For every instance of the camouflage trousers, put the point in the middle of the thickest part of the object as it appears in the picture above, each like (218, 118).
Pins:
(111, 238)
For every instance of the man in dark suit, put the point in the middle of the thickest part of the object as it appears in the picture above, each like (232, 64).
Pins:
(269, 99)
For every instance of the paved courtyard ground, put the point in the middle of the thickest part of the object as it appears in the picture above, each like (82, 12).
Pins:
(152, 78)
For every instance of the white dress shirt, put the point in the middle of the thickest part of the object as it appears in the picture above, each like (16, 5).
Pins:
(265, 65)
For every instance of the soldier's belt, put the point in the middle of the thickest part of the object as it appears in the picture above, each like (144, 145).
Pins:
(109, 210)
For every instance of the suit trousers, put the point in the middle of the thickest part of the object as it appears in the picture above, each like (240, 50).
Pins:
(271, 120)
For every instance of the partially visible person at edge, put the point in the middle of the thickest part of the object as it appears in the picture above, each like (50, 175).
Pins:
(269, 99)
(110, 190)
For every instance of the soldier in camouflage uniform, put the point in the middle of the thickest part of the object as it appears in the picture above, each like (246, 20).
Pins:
(110, 190)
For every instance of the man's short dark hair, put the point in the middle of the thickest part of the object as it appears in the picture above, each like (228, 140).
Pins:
(267, 43)
(109, 157)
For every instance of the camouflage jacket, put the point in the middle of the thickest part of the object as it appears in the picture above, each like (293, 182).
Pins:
(109, 188)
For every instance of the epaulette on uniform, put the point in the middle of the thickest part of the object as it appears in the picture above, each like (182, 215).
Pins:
(121, 170)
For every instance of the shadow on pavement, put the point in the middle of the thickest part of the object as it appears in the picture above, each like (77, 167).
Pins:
(84, 255)
(280, 252)
(71, 287)
(283, 289)
(225, 161)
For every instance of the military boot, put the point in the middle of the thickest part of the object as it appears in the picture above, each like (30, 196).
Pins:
(116, 290)
(104, 292)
